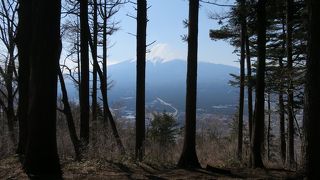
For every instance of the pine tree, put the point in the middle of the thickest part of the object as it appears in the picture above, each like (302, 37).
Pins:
(188, 158)
(258, 118)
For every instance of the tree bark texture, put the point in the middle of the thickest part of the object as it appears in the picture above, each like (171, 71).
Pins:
(69, 117)
(84, 83)
(188, 158)
(42, 161)
(258, 127)
(242, 76)
(23, 44)
(312, 96)
(290, 105)
(141, 77)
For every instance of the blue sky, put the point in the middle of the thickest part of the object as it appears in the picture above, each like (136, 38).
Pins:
(165, 27)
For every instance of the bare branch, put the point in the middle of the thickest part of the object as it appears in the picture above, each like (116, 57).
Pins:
(216, 4)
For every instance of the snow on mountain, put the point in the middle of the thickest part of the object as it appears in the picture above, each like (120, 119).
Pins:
(166, 80)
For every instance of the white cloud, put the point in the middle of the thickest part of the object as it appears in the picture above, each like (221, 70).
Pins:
(112, 61)
(164, 52)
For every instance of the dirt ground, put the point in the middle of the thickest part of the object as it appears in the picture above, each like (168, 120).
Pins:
(10, 168)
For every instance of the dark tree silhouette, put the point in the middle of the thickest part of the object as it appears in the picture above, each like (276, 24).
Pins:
(289, 26)
(94, 73)
(141, 71)
(106, 15)
(104, 40)
(8, 73)
(282, 121)
(69, 117)
(189, 157)
(258, 125)
(41, 160)
(312, 96)
(107, 11)
(106, 109)
(84, 80)
(242, 74)
(23, 44)
(249, 77)
(281, 104)
(269, 126)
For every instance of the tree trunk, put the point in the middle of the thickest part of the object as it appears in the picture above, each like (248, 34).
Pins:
(106, 110)
(104, 49)
(84, 83)
(42, 161)
(189, 157)
(7, 38)
(10, 94)
(141, 70)
(249, 79)
(290, 159)
(107, 114)
(242, 74)
(23, 44)
(68, 113)
(281, 102)
(312, 96)
(250, 106)
(258, 127)
(282, 128)
(95, 44)
(269, 127)
(78, 56)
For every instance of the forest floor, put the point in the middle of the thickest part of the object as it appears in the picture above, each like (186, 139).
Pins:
(10, 168)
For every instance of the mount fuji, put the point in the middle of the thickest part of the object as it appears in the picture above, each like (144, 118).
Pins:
(166, 86)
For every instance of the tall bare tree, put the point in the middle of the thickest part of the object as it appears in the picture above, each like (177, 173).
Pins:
(282, 128)
(312, 96)
(281, 102)
(290, 105)
(84, 83)
(69, 117)
(106, 109)
(282, 123)
(242, 18)
(189, 157)
(41, 160)
(23, 40)
(257, 139)
(94, 73)
(249, 75)
(249, 79)
(141, 77)
(8, 74)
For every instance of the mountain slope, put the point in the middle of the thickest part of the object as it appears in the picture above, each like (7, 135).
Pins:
(167, 80)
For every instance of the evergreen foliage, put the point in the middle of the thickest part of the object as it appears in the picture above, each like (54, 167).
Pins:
(163, 129)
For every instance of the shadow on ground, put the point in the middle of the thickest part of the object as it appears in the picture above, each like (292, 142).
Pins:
(10, 168)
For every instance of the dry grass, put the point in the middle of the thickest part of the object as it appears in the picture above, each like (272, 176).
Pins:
(213, 148)
(103, 158)
(10, 168)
